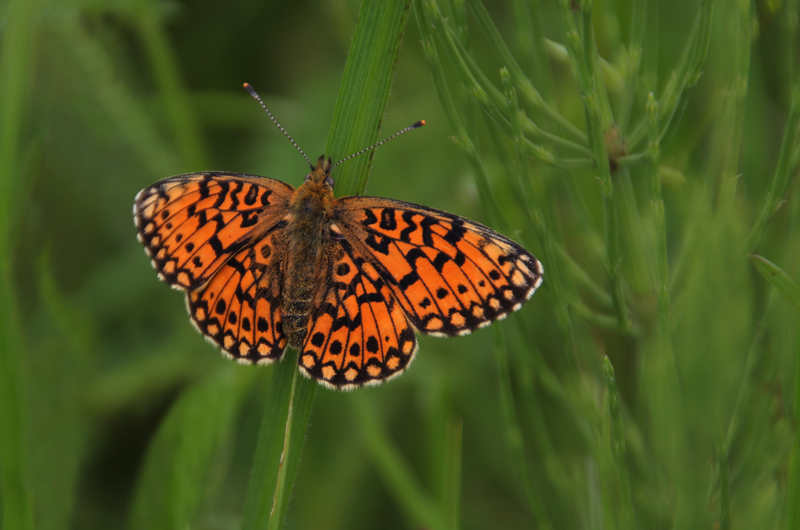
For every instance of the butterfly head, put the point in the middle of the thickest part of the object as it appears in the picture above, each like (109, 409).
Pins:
(315, 196)
(321, 175)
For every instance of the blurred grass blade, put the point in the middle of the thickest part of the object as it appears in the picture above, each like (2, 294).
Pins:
(778, 278)
(634, 60)
(95, 65)
(452, 471)
(599, 122)
(724, 488)
(522, 81)
(356, 121)
(684, 78)
(180, 460)
(516, 444)
(16, 65)
(619, 449)
(59, 419)
(395, 471)
(793, 486)
(427, 26)
(175, 102)
(731, 147)
(783, 172)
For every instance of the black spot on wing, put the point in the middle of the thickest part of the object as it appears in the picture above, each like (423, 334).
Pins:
(252, 195)
(388, 221)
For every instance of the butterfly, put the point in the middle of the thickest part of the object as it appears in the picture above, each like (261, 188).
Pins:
(345, 281)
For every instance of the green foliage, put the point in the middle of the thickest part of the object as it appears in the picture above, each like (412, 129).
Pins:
(645, 151)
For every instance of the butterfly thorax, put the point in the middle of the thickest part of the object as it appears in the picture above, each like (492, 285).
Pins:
(309, 225)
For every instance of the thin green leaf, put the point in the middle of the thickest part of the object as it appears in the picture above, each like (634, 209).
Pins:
(793, 486)
(16, 66)
(619, 449)
(785, 168)
(778, 278)
(685, 77)
(274, 441)
(724, 488)
(365, 89)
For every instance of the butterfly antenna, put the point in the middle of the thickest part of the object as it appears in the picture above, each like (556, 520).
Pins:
(253, 93)
(417, 125)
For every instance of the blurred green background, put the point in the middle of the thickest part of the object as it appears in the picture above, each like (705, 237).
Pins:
(115, 413)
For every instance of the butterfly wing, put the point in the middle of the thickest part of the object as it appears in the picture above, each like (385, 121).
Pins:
(450, 275)
(220, 237)
(357, 333)
(191, 225)
(239, 308)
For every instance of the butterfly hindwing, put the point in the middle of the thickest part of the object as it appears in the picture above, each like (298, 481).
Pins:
(357, 334)
(450, 275)
(192, 224)
(239, 309)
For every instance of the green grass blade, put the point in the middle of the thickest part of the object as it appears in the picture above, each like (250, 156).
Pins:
(619, 450)
(356, 121)
(777, 277)
(514, 439)
(273, 439)
(452, 471)
(135, 125)
(634, 61)
(175, 475)
(57, 390)
(365, 89)
(175, 103)
(729, 163)
(783, 172)
(301, 402)
(724, 488)
(16, 64)
(522, 81)
(395, 471)
(429, 20)
(583, 52)
(685, 77)
(793, 486)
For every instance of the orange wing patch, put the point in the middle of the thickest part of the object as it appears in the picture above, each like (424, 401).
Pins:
(359, 334)
(449, 274)
(240, 308)
(192, 224)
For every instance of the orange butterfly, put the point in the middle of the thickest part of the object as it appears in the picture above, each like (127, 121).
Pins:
(345, 281)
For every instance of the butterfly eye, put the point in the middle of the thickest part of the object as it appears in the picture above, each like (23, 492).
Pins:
(329, 181)
(308, 177)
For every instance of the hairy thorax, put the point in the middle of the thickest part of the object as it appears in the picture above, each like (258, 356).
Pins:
(308, 227)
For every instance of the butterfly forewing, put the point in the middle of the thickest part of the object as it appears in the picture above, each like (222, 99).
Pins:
(358, 334)
(450, 275)
(192, 224)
